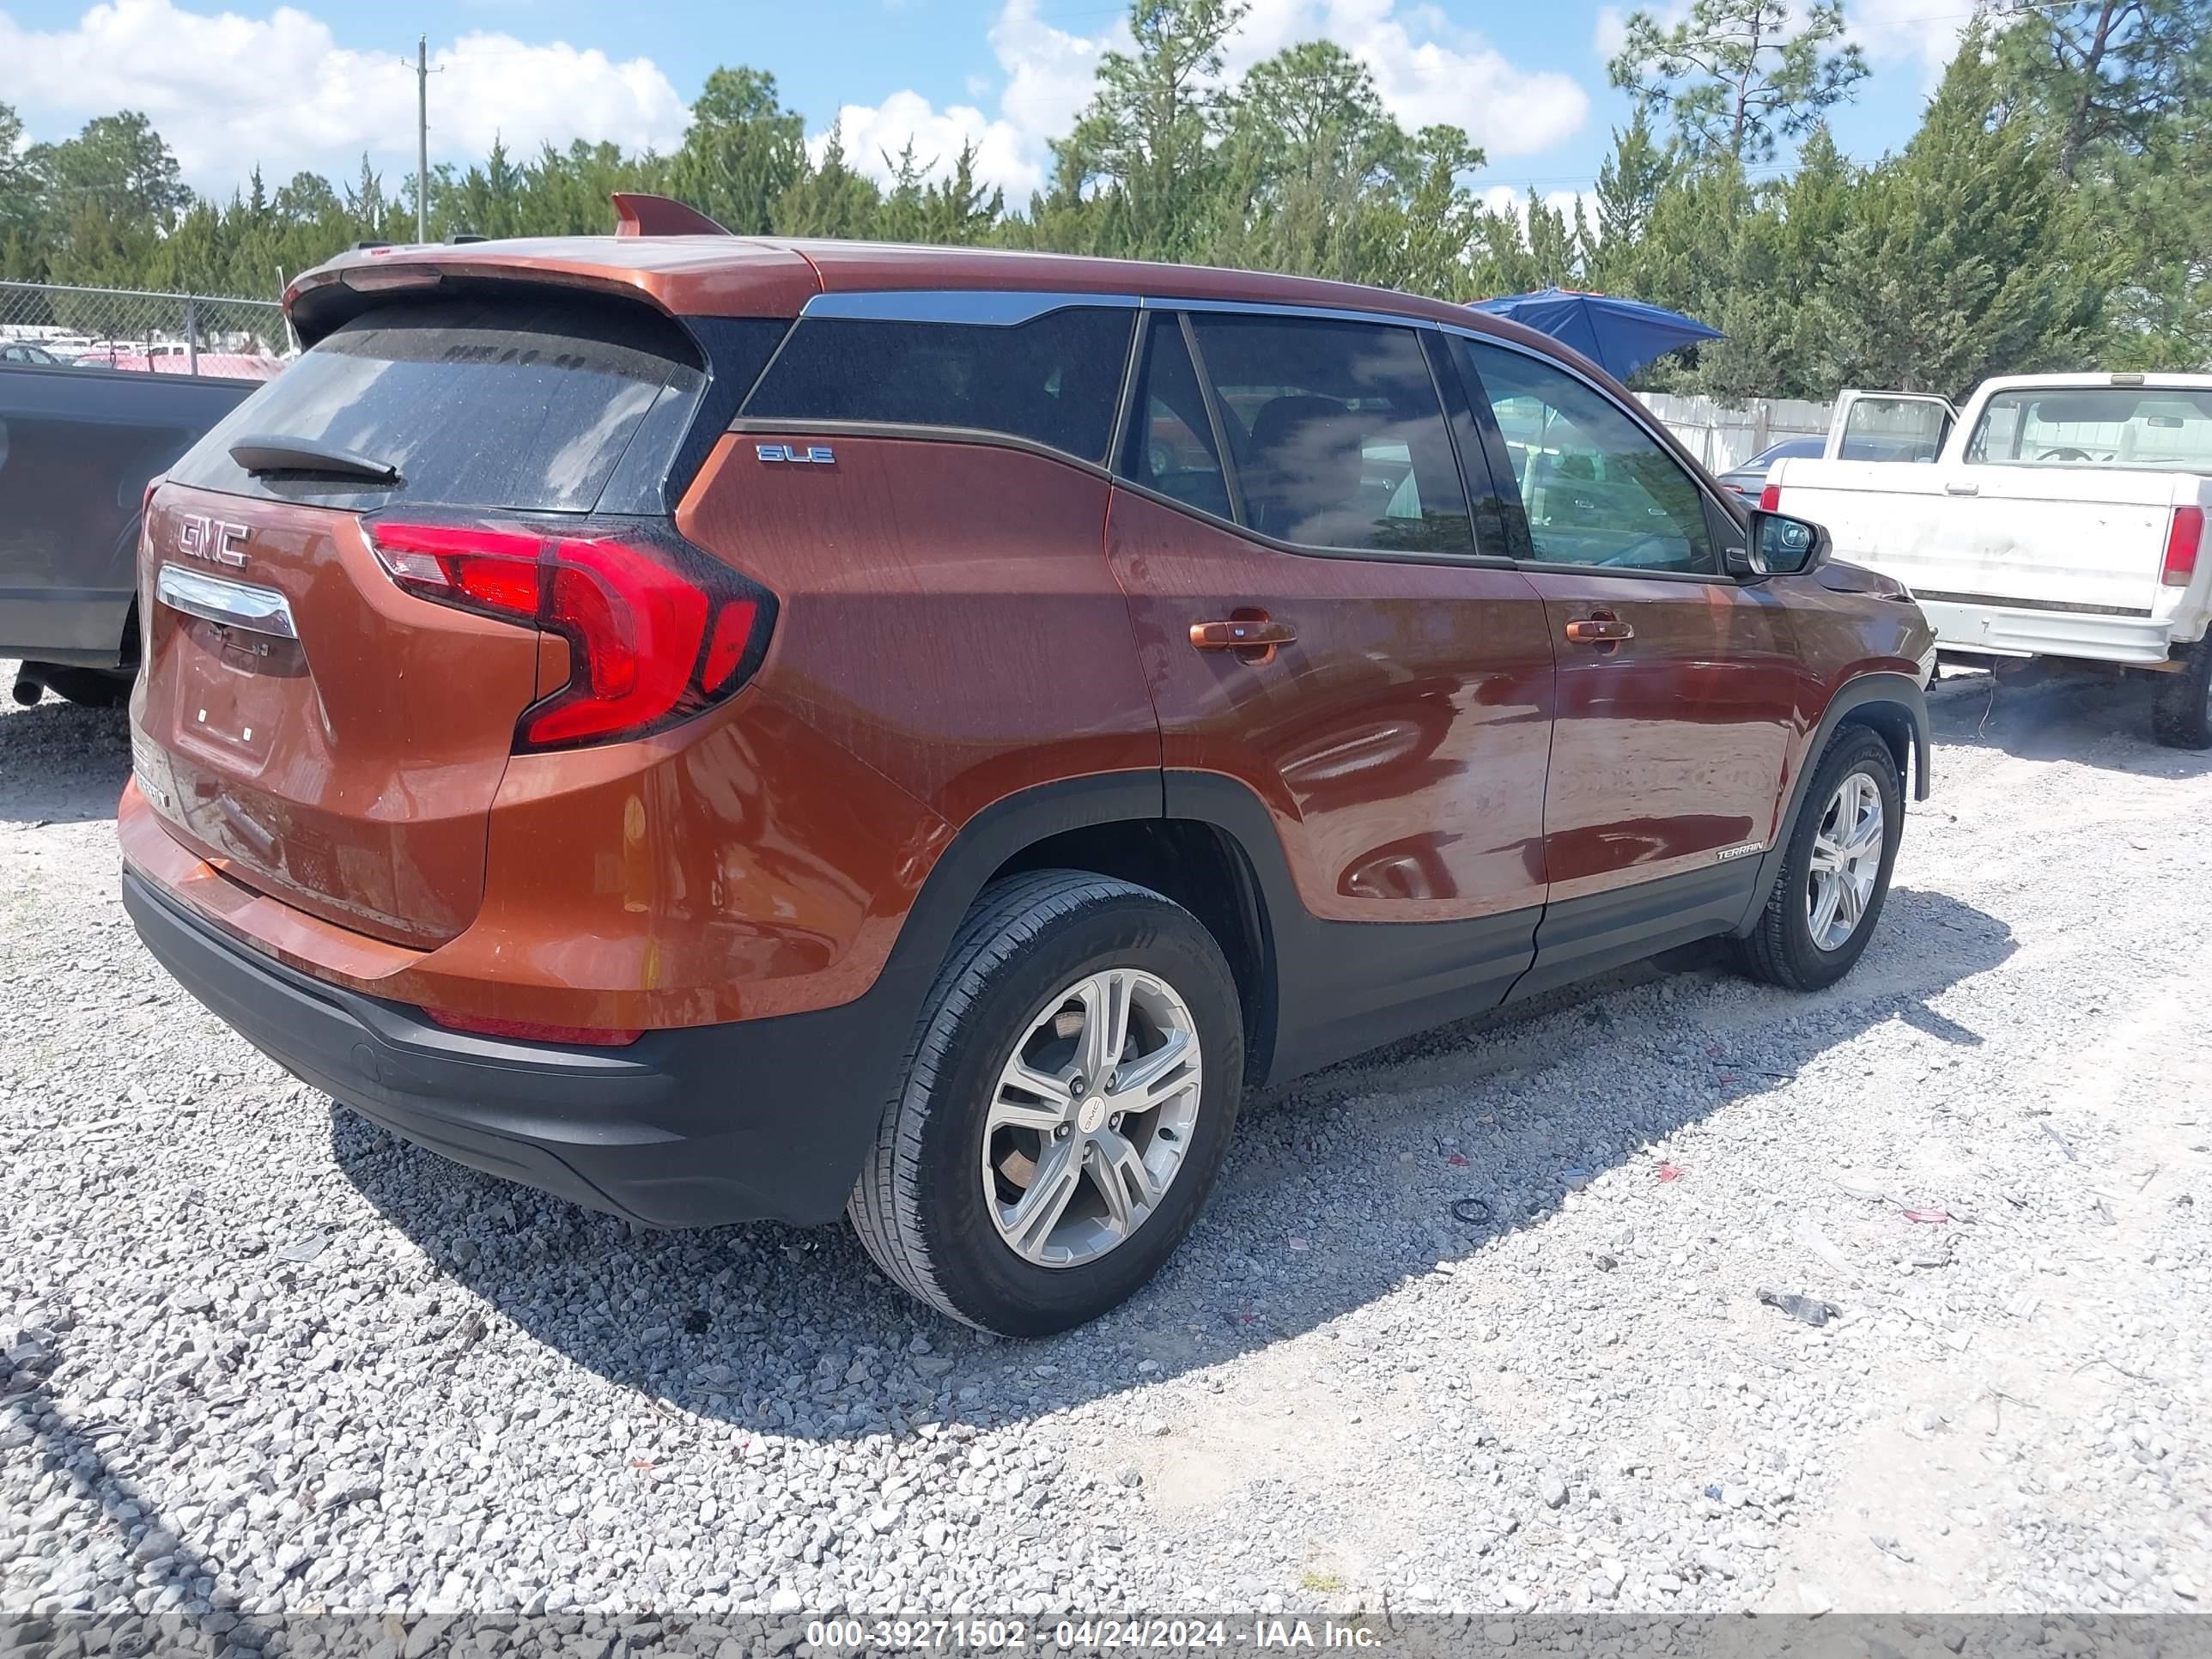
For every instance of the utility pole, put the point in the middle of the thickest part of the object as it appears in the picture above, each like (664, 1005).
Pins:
(422, 138)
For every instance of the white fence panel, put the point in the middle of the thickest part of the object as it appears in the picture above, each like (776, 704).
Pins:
(1722, 437)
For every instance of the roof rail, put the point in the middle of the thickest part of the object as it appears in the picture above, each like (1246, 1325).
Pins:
(638, 215)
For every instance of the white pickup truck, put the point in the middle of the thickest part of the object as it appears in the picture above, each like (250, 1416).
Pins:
(2062, 516)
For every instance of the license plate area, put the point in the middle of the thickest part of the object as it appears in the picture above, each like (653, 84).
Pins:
(234, 690)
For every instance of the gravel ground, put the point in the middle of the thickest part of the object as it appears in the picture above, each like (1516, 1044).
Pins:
(262, 1356)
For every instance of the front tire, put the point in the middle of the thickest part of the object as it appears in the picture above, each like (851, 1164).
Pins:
(2181, 706)
(1068, 1097)
(1835, 875)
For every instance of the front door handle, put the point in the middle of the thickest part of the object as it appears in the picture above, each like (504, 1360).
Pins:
(1962, 489)
(1599, 630)
(1253, 637)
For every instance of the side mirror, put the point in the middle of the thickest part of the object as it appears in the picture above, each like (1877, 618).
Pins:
(1778, 545)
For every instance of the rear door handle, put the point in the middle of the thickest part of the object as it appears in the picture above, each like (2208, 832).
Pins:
(1600, 631)
(1242, 634)
(1962, 489)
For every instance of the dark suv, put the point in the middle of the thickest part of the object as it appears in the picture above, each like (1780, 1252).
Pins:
(718, 728)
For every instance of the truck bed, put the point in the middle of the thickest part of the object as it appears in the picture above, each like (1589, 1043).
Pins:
(2015, 559)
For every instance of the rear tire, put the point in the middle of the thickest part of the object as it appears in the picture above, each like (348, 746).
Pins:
(2181, 706)
(1784, 949)
(964, 1144)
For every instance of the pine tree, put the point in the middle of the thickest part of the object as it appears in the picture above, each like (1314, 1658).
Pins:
(1735, 75)
(1628, 183)
(830, 198)
(743, 151)
(1967, 259)
(2106, 73)
(1146, 143)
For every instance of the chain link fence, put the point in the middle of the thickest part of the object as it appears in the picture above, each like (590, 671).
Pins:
(50, 325)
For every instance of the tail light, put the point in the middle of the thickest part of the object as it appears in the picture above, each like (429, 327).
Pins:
(657, 630)
(1770, 499)
(2183, 543)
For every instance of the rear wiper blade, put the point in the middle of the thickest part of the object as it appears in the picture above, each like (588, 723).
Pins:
(258, 454)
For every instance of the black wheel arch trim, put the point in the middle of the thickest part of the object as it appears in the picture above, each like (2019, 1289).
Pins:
(1339, 989)
(1335, 988)
(1862, 693)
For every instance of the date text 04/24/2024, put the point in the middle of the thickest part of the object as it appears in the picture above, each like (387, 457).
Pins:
(1089, 1635)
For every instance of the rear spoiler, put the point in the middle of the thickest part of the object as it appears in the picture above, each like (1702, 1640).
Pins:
(668, 255)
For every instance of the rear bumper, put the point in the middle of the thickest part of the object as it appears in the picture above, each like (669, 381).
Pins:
(2006, 631)
(765, 1119)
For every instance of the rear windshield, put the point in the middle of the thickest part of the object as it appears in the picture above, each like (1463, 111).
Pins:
(2097, 426)
(510, 403)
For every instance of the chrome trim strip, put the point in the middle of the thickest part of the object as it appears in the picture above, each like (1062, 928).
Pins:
(986, 308)
(233, 604)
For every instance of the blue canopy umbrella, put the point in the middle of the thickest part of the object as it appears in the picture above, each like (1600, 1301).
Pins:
(1619, 335)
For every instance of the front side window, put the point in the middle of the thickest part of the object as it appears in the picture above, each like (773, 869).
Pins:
(1054, 380)
(1597, 488)
(2096, 426)
(1336, 434)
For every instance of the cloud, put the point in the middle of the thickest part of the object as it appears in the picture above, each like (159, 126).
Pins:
(1610, 32)
(1901, 31)
(1426, 70)
(1513, 203)
(1049, 74)
(876, 136)
(228, 92)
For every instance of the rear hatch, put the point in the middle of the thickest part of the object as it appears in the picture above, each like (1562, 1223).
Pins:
(350, 594)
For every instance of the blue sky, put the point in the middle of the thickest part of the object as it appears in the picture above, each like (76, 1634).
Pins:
(315, 84)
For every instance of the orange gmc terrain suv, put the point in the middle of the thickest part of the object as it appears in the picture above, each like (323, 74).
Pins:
(719, 728)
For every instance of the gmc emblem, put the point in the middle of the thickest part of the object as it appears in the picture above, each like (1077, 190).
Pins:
(201, 537)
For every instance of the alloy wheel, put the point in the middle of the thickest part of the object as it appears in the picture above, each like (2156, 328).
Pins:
(1846, 861)
(1090, 1118)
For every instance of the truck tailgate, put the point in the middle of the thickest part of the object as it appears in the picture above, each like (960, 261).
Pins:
(2067, 538)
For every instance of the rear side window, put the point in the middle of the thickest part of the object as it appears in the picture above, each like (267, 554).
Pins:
(515, 402)
(1054, 380)
(1336, 432)
(1170, 446)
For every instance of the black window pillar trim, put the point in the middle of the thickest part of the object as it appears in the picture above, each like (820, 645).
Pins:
(1504, 485)
(1477, 479)
(1224, 451)
(1127, 406)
